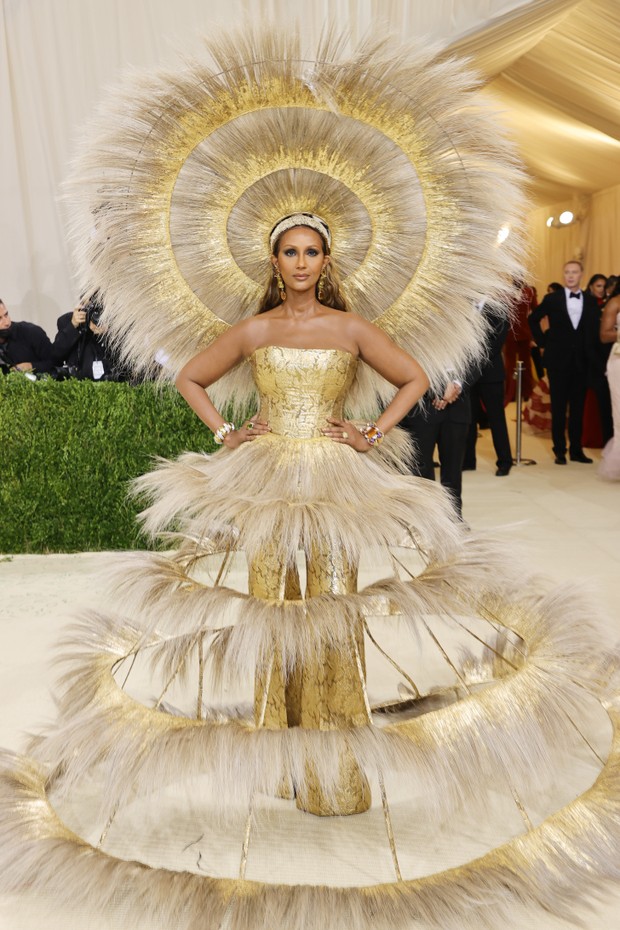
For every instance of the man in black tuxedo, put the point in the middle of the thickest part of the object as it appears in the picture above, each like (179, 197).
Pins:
(568, 340)
(442, 420)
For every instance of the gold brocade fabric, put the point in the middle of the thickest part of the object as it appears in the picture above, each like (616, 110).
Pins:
(299, 388)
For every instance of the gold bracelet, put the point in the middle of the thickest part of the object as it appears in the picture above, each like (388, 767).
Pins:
(220, 434)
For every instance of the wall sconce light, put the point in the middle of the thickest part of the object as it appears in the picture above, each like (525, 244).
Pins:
(567, 218)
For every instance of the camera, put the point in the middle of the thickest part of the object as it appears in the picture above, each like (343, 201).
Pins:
(64, 372)
(93, 314)
(93, 308)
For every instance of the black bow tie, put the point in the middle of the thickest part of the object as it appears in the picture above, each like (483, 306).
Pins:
(577, 295)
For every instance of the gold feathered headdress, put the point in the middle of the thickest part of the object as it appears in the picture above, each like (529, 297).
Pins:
(184, 175)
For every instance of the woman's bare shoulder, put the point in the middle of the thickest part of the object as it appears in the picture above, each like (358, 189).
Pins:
(241, 337)
(345, 319)
(245, 329)
(359, 325)
(361, 321)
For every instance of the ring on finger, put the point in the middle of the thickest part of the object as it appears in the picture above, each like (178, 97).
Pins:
(345, 435)
(250, 425)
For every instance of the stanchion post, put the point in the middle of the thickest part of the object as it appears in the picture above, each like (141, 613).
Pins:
(518, 375)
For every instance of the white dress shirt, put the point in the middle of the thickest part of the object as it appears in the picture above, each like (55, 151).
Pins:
(574, 305)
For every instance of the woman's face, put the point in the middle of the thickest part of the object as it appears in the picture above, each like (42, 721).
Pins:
(598, 288)
(300, 258)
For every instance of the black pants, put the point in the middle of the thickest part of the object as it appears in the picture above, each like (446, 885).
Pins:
(491, 395)
(567, 388)
(450, 439)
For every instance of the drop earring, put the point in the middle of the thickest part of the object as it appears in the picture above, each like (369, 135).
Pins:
(321, 284)
(280, 284)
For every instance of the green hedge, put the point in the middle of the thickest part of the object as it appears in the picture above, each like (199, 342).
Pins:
(68, 451)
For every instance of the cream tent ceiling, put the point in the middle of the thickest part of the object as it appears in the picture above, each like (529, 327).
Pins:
(555, 69)
(552, 65)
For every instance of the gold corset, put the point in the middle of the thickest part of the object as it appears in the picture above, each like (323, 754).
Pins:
(300, 388)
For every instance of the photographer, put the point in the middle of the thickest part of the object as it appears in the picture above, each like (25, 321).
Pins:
(80, 347)
(23, 346)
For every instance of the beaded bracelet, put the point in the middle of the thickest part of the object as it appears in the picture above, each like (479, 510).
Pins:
(372, 434)
(220, 434)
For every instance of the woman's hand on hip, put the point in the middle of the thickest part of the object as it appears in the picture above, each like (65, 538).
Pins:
(346, 433)
(250, 430)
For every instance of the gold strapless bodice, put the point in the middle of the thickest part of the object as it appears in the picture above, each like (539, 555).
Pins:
(300, 388)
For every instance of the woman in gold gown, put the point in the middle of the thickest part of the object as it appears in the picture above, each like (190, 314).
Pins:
(490, 678)
(303, 353)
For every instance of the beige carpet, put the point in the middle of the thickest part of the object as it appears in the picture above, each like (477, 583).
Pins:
(564, 520)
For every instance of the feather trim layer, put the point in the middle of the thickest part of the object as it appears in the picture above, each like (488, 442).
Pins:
(558, 866)
(312, 495)
(514, 725)
(162, 592)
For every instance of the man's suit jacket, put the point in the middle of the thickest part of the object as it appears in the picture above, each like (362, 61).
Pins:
(564, 346)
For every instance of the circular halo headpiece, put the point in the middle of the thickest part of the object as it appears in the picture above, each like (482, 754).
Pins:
(300, 219)
(184, 176)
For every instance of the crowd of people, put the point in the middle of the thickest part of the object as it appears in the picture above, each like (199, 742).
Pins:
(569, 349)
(79, 349)
(574, 333)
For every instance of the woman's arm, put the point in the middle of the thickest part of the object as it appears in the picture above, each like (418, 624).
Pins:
(396, 366)
(206, 368)
(608, 330)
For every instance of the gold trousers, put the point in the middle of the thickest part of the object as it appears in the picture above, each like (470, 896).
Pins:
(325, 694)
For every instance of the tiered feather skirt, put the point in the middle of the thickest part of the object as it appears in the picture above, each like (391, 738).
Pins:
(288, 560)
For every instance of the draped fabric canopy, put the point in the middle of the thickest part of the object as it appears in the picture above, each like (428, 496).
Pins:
(555, 67)
(552, 65)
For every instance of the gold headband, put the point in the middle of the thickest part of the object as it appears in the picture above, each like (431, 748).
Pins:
(300, 219)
